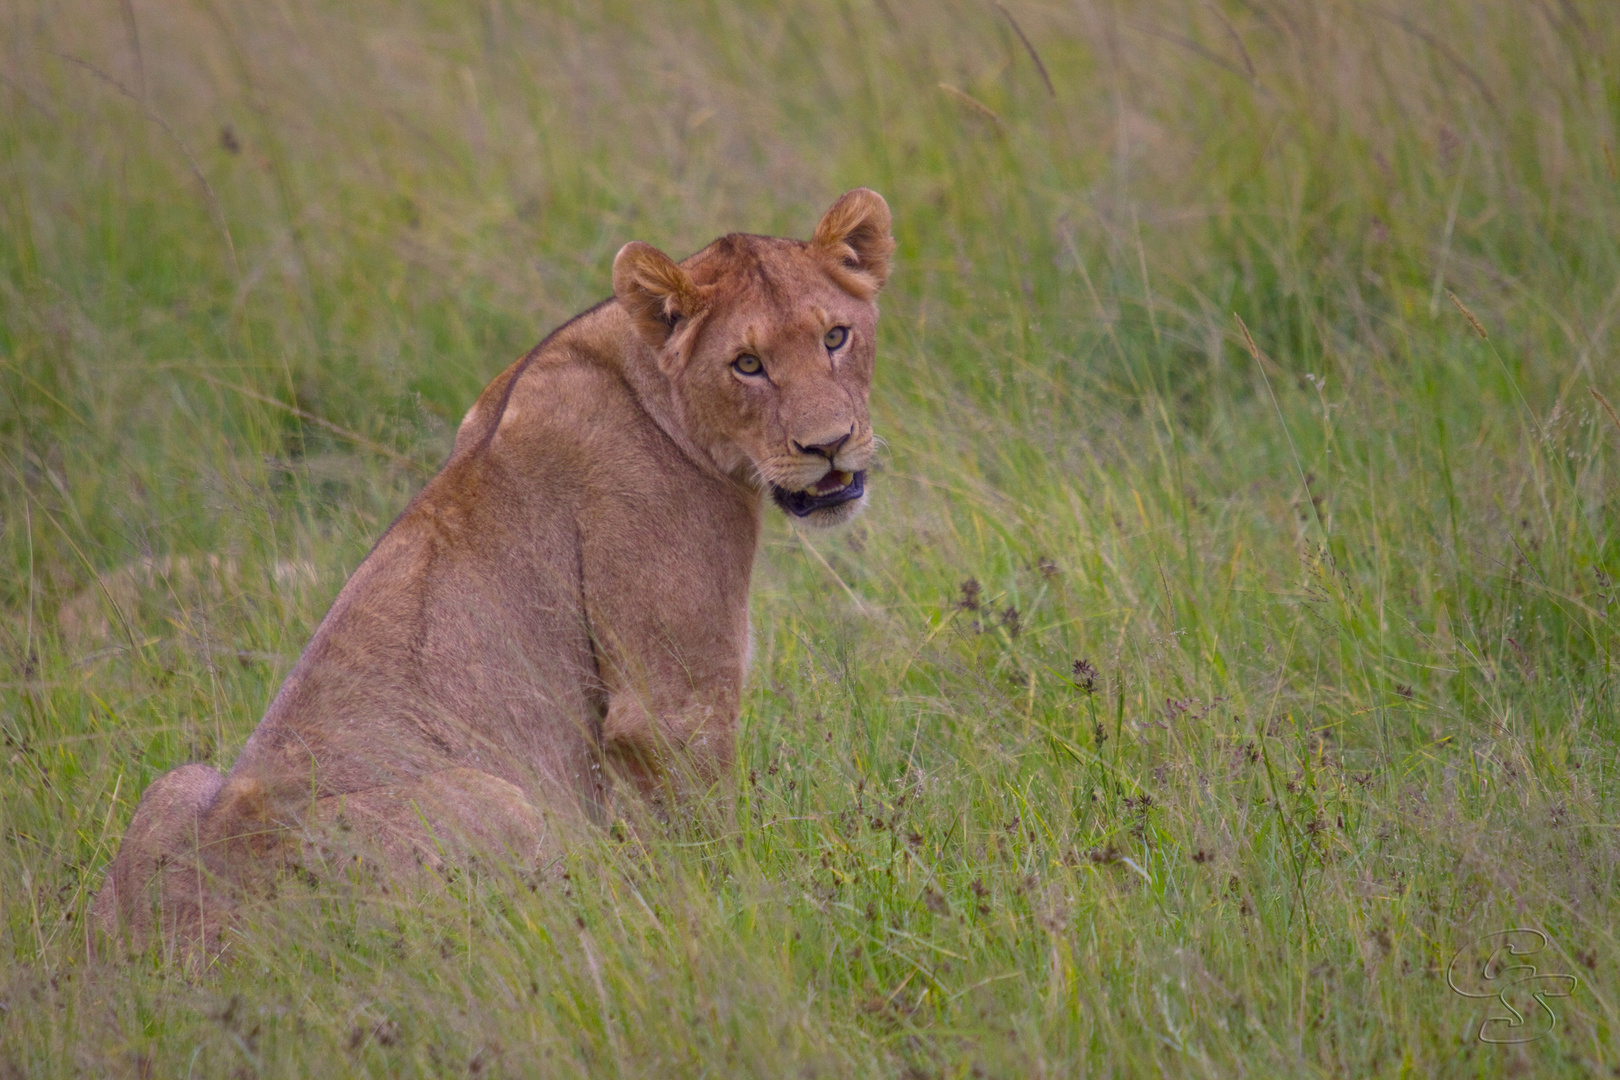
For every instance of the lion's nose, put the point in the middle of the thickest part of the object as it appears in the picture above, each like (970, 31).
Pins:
(826, 449)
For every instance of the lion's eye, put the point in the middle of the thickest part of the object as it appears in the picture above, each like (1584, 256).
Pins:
(747, 364)
(836, 337)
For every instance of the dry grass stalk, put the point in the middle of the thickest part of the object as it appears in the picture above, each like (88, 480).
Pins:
(974, 104)
(1469, 315)
(1603, 401)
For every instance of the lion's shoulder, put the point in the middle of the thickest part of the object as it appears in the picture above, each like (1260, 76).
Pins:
(561, 386)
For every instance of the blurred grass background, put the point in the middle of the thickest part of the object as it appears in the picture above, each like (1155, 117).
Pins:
(1173, 709)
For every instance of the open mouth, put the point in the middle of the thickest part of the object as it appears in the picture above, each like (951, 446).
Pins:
(834, 489)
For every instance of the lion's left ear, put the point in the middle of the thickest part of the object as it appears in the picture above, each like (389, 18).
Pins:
(854, 237)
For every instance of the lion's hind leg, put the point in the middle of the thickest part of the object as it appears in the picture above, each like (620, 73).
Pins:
(157, 880)
(454, 817)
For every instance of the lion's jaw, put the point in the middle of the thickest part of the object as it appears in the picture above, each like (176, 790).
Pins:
(821, 489)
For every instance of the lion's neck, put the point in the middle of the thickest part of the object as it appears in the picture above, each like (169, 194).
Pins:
(637, 364)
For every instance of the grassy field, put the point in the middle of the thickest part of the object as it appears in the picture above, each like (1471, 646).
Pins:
(1178, 708)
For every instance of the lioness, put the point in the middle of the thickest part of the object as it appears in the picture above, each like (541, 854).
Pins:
(563, 609)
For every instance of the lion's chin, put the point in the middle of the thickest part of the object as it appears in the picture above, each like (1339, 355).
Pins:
(820, 507)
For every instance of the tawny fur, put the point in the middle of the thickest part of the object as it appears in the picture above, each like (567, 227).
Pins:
(562, 610)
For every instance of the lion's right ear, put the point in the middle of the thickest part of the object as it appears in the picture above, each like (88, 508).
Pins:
(654, 290)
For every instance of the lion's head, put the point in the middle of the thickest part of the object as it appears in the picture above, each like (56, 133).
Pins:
(768, 344)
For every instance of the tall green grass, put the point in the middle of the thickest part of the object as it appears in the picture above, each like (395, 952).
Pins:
(1174, 709)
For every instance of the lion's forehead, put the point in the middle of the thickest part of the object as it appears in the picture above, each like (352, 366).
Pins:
(775, 312)
(778, 329)
(781, 276)
(742, 255)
